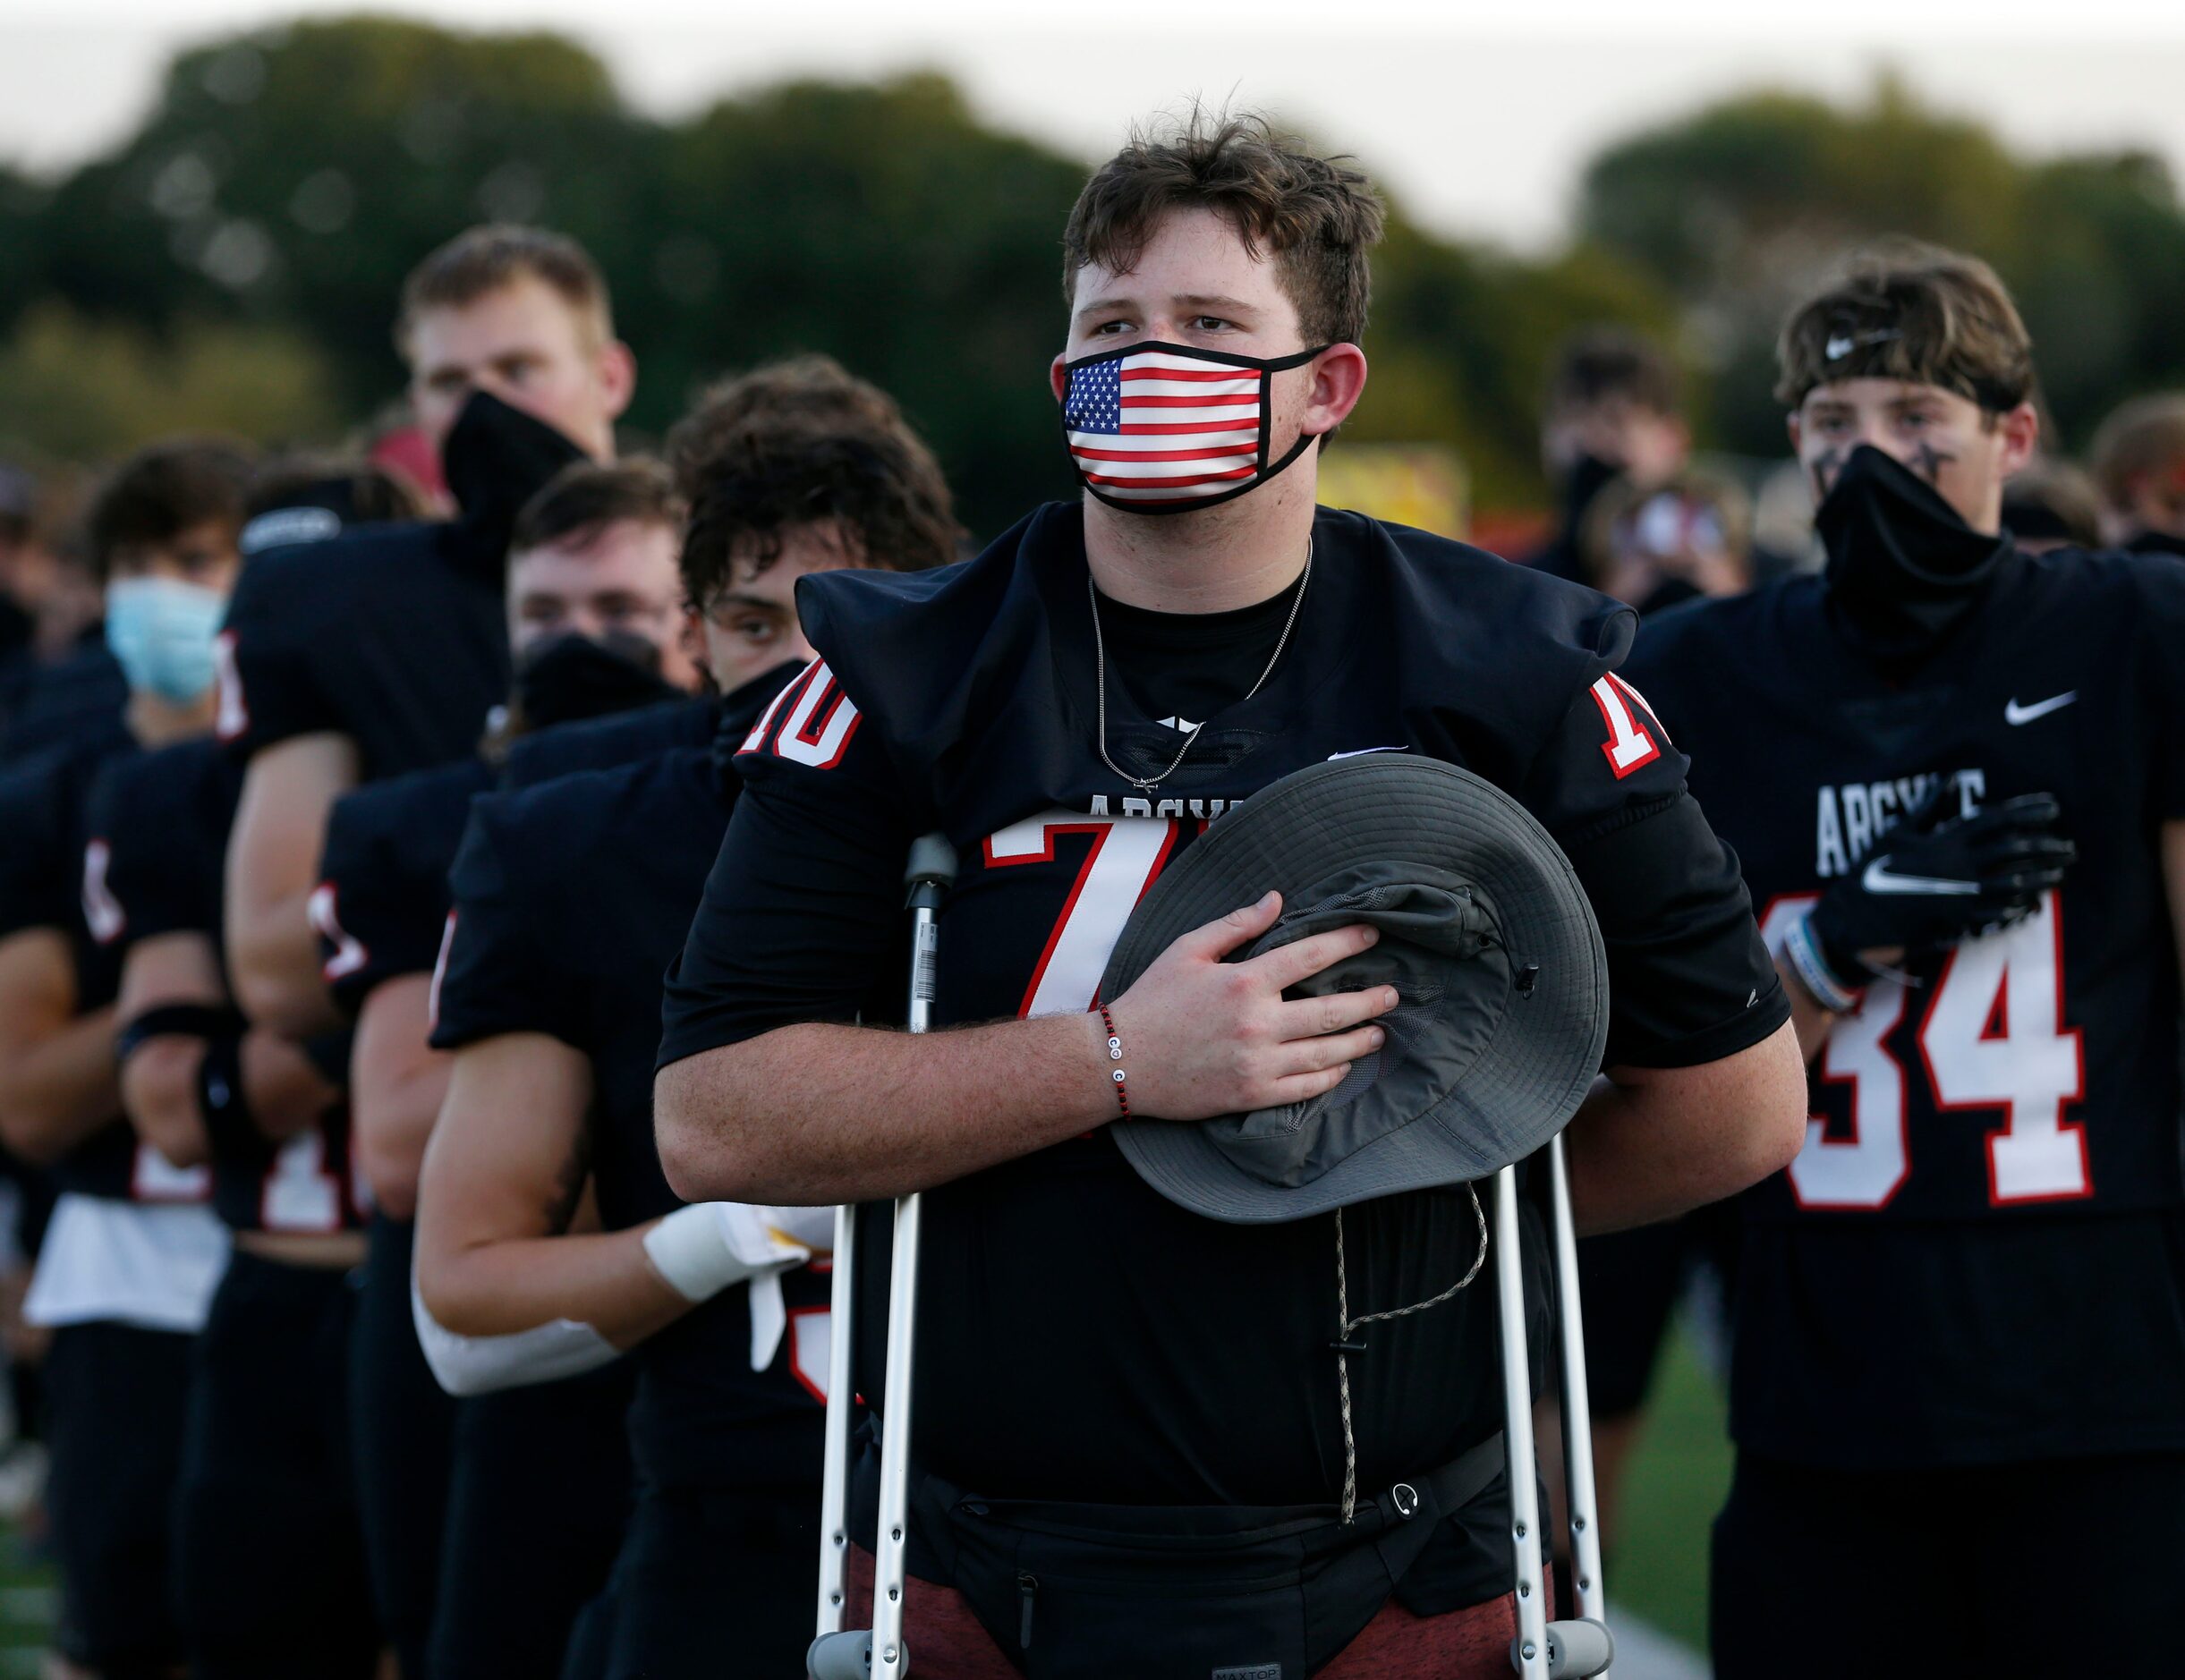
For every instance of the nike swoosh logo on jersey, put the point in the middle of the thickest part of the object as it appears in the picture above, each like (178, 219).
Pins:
(2014, 713)
(1359, 753)
(1878, 879)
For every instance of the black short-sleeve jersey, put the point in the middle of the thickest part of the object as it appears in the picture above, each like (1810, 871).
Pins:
(45, 883)
(394, 635)
(380, 906)
(966, 699)
(571, 899)
(155, 864)
(382, 901)
(2006, 1124)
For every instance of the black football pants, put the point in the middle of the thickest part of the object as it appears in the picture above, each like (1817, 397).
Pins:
(536, 1508)
(116, 1395)
(400, 1424)
(2010, 1572)
(269, 1553)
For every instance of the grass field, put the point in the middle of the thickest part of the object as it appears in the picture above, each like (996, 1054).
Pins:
(1679, 1477)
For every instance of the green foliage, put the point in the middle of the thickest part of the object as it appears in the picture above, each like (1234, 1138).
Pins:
(1735, 210)
(84, 389)
(287, 179)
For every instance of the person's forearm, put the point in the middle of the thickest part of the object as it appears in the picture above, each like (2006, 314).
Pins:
(495, 1288)
(394, 1119)
(809, 1114)
(1654, 1143)
(57, 1091)
(273, 957)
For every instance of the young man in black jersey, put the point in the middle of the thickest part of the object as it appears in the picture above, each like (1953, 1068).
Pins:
(131, 1254)
(595, 624)
(1951, 768)
(270, 1576)
(385, 653)
(571, 899)
(1071, 708)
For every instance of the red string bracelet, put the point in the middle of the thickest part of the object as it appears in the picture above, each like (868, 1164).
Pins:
(1115, 1053)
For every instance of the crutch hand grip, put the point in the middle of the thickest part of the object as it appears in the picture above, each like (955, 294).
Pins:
(840, 1657)
(1574, 1648)
(931, 863)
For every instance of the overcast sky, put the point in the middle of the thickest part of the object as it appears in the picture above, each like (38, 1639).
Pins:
(1478, 122)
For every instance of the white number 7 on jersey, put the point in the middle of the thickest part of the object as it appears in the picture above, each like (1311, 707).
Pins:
(1127, 852)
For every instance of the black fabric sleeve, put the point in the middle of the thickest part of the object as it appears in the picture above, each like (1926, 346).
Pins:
(496, 973)
(158, 873)
(268, 684)
(804, 906)
(37, 883)
(381, 904)
(1689, 980)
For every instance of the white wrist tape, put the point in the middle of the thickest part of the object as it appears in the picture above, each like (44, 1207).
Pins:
(466, 1365)
(702, 1250)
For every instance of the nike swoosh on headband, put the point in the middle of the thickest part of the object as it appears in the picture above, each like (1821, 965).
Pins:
(2014, 713)
(1359, 753)
(1878, 878)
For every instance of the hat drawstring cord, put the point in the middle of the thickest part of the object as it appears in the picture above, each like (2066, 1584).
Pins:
(1345, 1347)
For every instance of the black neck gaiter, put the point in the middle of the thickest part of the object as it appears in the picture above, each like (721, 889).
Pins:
(1903, 569)
(496, 458)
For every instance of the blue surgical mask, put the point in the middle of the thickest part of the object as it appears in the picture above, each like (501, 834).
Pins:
(162, 631)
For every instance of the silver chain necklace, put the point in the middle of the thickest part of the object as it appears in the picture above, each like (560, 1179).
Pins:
(1147, 785)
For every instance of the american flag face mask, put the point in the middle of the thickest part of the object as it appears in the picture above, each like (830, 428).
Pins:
(1166, 428)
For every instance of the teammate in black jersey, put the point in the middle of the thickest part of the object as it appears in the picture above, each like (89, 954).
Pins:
(1951, 770)
(571, 898)
(131, 1254)
(270, 1564)
(386, 653)
(595, 621)
(1082, 1339)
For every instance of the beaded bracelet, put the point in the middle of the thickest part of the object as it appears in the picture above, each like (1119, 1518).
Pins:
(1115, 1053)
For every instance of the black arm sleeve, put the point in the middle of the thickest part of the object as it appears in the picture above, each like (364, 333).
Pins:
(496, 975)
(1689, 980)
(268, 690)
(804, 905)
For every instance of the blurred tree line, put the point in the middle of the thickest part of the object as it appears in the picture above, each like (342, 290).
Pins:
(234, 262)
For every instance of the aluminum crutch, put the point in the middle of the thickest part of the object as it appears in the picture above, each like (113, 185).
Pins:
(1543, 1650)
(837, 1654)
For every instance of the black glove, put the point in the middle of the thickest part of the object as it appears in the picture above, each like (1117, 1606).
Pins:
(1943, 880)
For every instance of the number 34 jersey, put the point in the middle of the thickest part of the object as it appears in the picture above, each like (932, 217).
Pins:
(1979, 1254)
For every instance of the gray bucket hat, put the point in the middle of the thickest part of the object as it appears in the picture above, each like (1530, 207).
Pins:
(1487, 937)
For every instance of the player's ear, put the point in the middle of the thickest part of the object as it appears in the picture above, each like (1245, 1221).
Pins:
(1790, 425)
(1057, 380)
(2021, 435)
(618, 376)
(1339, 380)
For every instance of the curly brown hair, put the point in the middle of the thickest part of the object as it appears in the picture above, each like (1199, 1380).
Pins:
(797, 443)
(1319, 217)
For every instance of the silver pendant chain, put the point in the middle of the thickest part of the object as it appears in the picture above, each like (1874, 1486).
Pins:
(1099, 653)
